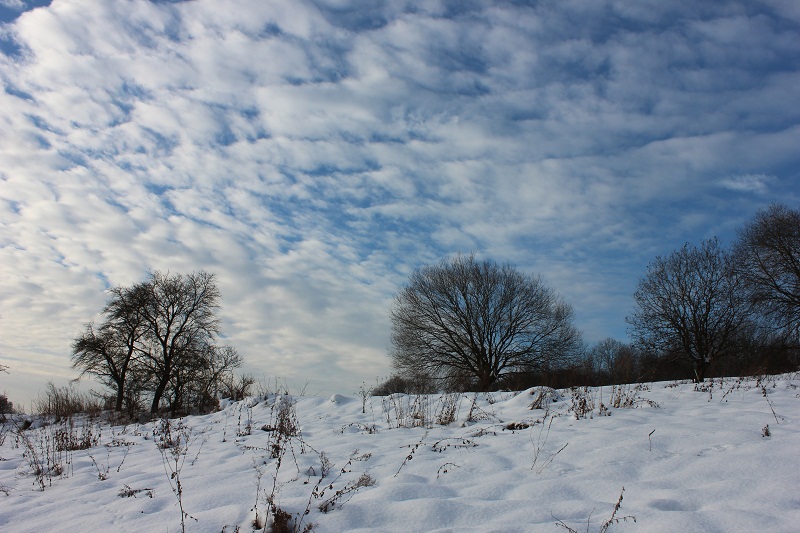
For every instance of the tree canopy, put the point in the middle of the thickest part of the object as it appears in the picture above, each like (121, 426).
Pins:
(481, 320)
(157, 338)
(691, 304)
(768, 257)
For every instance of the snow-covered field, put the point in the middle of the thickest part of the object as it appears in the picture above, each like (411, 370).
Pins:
(722, 459)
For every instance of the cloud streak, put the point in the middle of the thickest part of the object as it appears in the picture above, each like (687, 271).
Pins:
(312, 154)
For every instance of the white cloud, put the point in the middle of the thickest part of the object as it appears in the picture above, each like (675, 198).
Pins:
(748, 183)
(17, 5)
(313, 154)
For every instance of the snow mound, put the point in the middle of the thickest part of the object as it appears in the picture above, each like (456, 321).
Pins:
(338, 399)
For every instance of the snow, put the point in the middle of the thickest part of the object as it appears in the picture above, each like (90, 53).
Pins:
(689, 460)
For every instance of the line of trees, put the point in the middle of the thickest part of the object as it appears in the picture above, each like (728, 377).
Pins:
(768, 256)
(156, 342)
(479, 325)
(693, 304)
(702, 310)
(703, 304)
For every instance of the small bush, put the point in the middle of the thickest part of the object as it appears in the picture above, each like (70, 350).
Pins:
(49, 450)
(344, 494)
(128, 492)
(237, 388)
(448, 408)
(406, 411)
(173, 439)
(582, 402)
(543, 397)
(392, 385)
(63, 402)
(405, 385)
(614, 519)
(6, 407)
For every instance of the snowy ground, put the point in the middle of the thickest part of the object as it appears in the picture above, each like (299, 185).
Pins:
(723, 459)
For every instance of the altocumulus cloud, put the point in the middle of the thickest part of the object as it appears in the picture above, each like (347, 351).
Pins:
(312, 154)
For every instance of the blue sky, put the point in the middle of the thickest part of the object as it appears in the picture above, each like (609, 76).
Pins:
(312, 154)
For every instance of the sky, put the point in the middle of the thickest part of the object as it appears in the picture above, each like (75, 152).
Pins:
(312, 154)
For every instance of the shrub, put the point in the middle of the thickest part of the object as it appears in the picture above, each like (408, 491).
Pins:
(173, 439)
(49, 450)
(416, 384)
(393, 384)
(614, 519)
(64, 402)
(6, 407)
(237, 388)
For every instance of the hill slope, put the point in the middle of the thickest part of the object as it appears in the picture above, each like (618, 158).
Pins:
(726, 458)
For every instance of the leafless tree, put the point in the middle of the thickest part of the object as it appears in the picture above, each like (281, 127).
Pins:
(180, 313)
(768, 257)
(158, 337)
(110, 351)
(691, 304)
(615, 359)
(464, 316)
(197, 381)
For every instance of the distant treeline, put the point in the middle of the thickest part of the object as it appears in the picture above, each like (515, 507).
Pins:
(702, 311)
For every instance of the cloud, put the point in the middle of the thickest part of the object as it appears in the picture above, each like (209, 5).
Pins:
(16, 5)
(748, 183)
(312, 154)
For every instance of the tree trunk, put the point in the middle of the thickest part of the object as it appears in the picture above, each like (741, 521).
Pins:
(700, 371)
(120, 397)
(486, 381)
(157, 394)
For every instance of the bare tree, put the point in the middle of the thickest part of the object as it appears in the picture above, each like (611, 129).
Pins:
(691, 304)
(197, 381)
(157, 338)
(180, 313)
(768, 257)
(109, 352)
(482, 319)
(615, 359)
